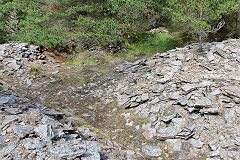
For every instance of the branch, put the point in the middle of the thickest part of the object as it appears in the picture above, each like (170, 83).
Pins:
(219, 26)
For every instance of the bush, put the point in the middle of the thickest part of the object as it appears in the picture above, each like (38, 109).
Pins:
(49, 23)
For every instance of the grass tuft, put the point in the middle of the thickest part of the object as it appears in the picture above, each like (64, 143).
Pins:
(154, 43)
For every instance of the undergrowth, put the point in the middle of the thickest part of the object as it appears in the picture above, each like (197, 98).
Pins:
(146, 44)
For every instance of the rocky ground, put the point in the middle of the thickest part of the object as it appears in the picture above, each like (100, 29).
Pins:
(181, 104)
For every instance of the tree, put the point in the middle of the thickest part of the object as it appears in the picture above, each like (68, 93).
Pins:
(200, 16)
(51, 23)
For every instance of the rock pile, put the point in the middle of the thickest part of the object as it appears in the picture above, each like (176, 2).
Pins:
(191, 99)
(31, 131)
(15, 58)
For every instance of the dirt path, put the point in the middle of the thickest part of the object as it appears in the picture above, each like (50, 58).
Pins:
(81, 93)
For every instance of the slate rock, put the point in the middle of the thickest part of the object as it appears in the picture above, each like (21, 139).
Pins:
(32, 144)
(7, 100)
(122, 99)
(91, 154)
(174, 145)
(196, 143)
(189, 87)
(203, 102)
(153, 151)
(44, 131)
(210, 110)
(165, 79)
(182, 101)
(144, 97)
(2, 140)
(55, 72)
(175, 96)
(13, 110)
(210, 56)
(169, 118)
(155, 101)
(67, 150)
(15, 65)
(7, 150)
(22, 130)
(28, 82)
(2, 52)
(52, 112)
(177, 63)
(167, 133)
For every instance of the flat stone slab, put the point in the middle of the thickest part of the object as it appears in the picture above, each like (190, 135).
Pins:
(153, 151)
(22, 130)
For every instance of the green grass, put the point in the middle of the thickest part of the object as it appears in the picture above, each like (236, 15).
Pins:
(35, 71)
(147, 44)
(142, 122)
(72, 62)
(3, 88)
(83, 61)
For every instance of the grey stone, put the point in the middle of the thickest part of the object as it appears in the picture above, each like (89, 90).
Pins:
(134, 104)
(210, 110)
(179, 122)
(13, 110)
(220, 45)
(210, 56)
(169, 118)
(154, 101)
(28, 82)
(167, 133)
(55, 72)
(203, 102)
(153, 151)
(232, 91)
(165, 79)
(182, 101)
(68, 151)
(227, 143)
(174, 145)
(177, 63)
(58, 133)
(23, 130)
(15, 65)
(144, 97)
(75, 121)
(9, 119)
(91, 154)
(7, 150)
(122, 99)
(52, 112)
(2, 52)
(205, 83)
(32, 144)
(175, 96)
(2, 140)
(5, 100)
(44, 131)
(189, 87)
(213, 147)
(196, 143)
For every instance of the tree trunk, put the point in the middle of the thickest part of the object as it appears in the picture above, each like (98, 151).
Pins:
(200, 32)
(200, 41)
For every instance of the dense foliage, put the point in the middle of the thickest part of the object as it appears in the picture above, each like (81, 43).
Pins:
(51, 22)
(57, 24)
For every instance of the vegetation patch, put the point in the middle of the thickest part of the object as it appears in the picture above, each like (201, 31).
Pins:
(3, 88)
(142, 122)
(60, 81)
(35, 71)
(146, 44)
